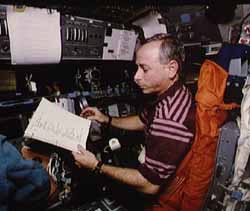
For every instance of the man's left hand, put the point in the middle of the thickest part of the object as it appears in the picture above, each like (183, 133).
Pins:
(85, 158)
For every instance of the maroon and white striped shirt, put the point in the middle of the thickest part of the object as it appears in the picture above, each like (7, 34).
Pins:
(169, 131)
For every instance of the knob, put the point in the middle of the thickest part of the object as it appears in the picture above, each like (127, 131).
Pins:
(5, 47)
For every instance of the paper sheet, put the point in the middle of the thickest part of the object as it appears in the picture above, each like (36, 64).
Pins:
(35, 36)
(111, 50)
(120, 45)
(150, 24)
(54, 125)
(127, 45)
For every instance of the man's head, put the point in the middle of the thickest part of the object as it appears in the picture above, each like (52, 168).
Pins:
(159, 60)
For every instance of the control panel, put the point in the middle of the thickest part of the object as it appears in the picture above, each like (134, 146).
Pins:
(82, 38)
(4, 36)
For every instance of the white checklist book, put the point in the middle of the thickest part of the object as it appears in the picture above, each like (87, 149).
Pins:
(54, 125)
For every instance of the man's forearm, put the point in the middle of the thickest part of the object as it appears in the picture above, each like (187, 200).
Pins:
(127, 123)
(131, 177)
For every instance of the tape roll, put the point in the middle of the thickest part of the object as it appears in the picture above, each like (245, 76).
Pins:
(114, 144)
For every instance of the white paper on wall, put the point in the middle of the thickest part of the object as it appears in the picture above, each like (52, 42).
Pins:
(120, 45)
(150, 24)
(35, 36)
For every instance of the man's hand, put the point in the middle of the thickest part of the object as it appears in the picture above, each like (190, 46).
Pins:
(85, 158)
(131, 177)
(92, 113)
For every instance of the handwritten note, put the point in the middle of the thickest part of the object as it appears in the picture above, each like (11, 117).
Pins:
(54, 125)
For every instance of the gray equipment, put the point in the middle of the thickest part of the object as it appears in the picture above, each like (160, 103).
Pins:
(227, 143)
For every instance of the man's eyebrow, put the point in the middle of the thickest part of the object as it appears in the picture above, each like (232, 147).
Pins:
(143, 65)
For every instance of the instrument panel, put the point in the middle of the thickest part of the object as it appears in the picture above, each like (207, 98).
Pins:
(82, 38)
(4, 35)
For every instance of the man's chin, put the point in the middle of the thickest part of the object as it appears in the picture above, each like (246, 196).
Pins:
(148, 92)
(145, 91)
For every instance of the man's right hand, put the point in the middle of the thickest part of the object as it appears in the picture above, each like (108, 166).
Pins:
(93, 113)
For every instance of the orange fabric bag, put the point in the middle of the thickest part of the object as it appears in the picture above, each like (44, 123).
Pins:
(189, 188)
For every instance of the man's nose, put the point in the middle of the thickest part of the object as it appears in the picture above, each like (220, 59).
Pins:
(137, 75)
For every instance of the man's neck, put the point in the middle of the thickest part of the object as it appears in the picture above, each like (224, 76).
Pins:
(171, 82)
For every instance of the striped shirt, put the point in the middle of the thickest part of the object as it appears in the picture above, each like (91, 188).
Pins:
(169, 131)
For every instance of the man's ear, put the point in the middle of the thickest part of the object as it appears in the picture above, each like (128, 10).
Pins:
(172, 68)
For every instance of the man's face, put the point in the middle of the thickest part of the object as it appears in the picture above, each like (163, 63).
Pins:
(151, 76)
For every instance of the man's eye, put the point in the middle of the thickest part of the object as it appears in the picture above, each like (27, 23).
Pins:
(135, 66)
(143, 68)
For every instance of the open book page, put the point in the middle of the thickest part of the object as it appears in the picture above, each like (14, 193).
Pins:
(54, 125)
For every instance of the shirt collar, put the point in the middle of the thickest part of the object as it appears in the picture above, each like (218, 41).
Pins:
(170, 91)
(153, 99)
